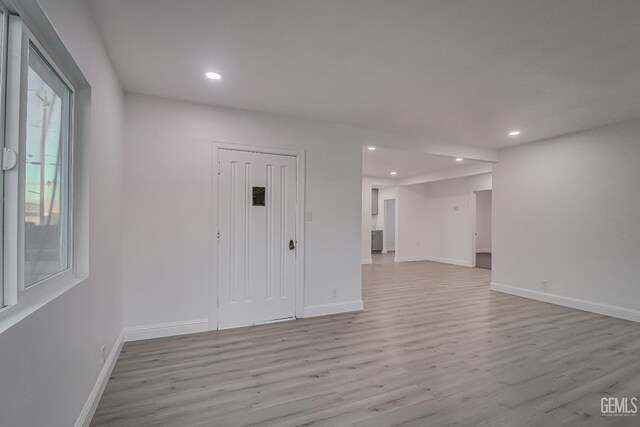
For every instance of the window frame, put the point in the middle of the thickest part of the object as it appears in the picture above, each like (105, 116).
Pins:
(4, 32)
(38, 50)
(20, 40)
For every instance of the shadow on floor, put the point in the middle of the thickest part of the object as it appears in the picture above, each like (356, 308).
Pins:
(483, 260)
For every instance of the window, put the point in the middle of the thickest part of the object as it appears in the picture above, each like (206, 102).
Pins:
(37, 183)
(46, 172)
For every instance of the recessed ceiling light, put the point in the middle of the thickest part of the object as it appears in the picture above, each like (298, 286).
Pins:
(459, 159)
(213, 76)
(514, 133)
(371, 148)
(393, 173)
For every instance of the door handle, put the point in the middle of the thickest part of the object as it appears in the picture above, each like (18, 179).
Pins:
(9, 159)
(292, 245)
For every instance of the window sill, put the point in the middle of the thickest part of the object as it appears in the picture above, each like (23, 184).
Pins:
(33, 300)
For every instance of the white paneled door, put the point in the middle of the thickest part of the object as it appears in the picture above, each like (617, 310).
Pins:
(256, 244)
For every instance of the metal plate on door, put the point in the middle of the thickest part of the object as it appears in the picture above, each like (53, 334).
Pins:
(258, 196)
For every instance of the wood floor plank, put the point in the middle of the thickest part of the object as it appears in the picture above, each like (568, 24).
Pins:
(434, 346)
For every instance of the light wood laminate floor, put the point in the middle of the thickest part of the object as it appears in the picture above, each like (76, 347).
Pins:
(434, 346)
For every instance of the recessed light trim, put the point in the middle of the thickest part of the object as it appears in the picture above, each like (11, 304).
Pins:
(212, 75)
(393, 173)
(371, 148)
(459, 159)
(514, 133)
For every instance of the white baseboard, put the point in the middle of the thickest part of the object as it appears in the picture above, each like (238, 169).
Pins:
(136, 333)
(579, 304)
(434, 259)
(409, 258)
(459, 262)
(333, 308)
(89, 408)
(367, 261)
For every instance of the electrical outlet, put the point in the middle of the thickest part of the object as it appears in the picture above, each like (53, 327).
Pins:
(544, 284)
(334, 292)
(103, 353)
(308, 216)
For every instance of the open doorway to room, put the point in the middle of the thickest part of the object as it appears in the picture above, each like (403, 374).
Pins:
(419, 207)
(482, 236)
(383, 223)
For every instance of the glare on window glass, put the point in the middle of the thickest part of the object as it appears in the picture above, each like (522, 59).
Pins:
(46, 172)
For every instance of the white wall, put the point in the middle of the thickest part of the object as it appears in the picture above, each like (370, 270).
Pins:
(389, 236)
(411, 206)
(428, 226)
(169, 203)
(483, 221)
(567, 211)
(50, 361)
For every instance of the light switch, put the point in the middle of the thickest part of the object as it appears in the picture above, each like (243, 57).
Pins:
(308, 216)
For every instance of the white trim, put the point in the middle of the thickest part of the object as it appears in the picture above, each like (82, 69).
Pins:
(160, 330)
(300, 156)
(14, 119)
(366, 261)
(333, 308)
(462, 263)
(266, 322)
(4, 27)
(565, 301)
(89, 408)
(459, 262)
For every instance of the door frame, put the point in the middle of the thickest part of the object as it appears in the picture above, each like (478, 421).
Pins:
(300, 225)
(473, 207)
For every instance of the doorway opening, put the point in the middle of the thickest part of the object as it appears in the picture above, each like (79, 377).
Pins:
(382, 229)
(482, 237)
